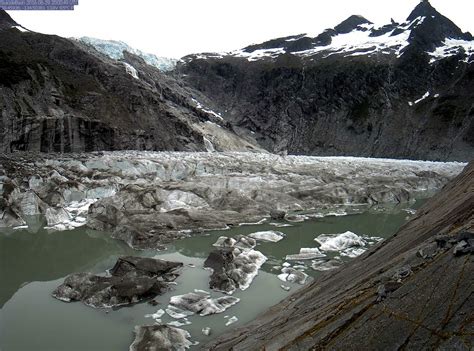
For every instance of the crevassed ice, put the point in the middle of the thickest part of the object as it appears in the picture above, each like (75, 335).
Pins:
(114, 50)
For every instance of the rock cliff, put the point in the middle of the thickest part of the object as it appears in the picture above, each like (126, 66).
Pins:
(61, 95)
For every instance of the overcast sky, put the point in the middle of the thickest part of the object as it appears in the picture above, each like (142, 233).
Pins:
(175, 28)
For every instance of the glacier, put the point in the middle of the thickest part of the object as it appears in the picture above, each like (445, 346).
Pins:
(114, 49)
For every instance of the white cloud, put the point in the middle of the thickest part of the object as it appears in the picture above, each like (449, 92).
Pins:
(178, 27)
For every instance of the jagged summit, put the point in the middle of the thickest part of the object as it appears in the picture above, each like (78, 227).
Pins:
(350, 24)
(6, 21)
(425, 30)
(423, 9)
(434, 28)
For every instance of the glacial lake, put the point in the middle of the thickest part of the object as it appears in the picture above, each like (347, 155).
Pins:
(34, 262)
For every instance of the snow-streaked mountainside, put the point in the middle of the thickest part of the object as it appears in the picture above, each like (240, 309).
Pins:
(357, 36)
(397, 90)
(403, 90)
(114, 49)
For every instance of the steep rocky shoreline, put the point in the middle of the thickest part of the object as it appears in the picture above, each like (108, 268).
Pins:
(412, 291)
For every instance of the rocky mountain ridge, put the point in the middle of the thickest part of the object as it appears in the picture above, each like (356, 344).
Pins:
(403, 90)
(400, 90)
(61, 95)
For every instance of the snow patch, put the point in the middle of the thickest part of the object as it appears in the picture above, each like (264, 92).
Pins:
(427, 94)
(21, 29)
(452, 47)
(258, 54)
(131, 70)
(359, 42)
(199, 106)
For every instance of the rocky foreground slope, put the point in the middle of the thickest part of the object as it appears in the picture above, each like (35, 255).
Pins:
(413, 291)
(402, 90)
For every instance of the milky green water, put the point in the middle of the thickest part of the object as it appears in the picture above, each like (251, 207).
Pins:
(33, 264)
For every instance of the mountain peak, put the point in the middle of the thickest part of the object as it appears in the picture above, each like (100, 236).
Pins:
(423, 9)
(431, 28)
(350, 24)
(5, 20)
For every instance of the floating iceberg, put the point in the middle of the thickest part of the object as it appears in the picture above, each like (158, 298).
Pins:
(292, 275)
(339, 242)
(306, 254)
(235, 266)
(202, 304)
(270, 235)
(231, 320)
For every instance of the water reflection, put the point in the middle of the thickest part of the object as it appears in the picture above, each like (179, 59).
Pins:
(43, 259)
(41, 256)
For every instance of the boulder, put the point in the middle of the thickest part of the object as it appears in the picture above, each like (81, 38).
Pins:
(277, 215)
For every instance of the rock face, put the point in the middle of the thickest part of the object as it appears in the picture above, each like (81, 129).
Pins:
(131, 280)
(149, 199)
(413, 291)
(61, 95)
(404, 90)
